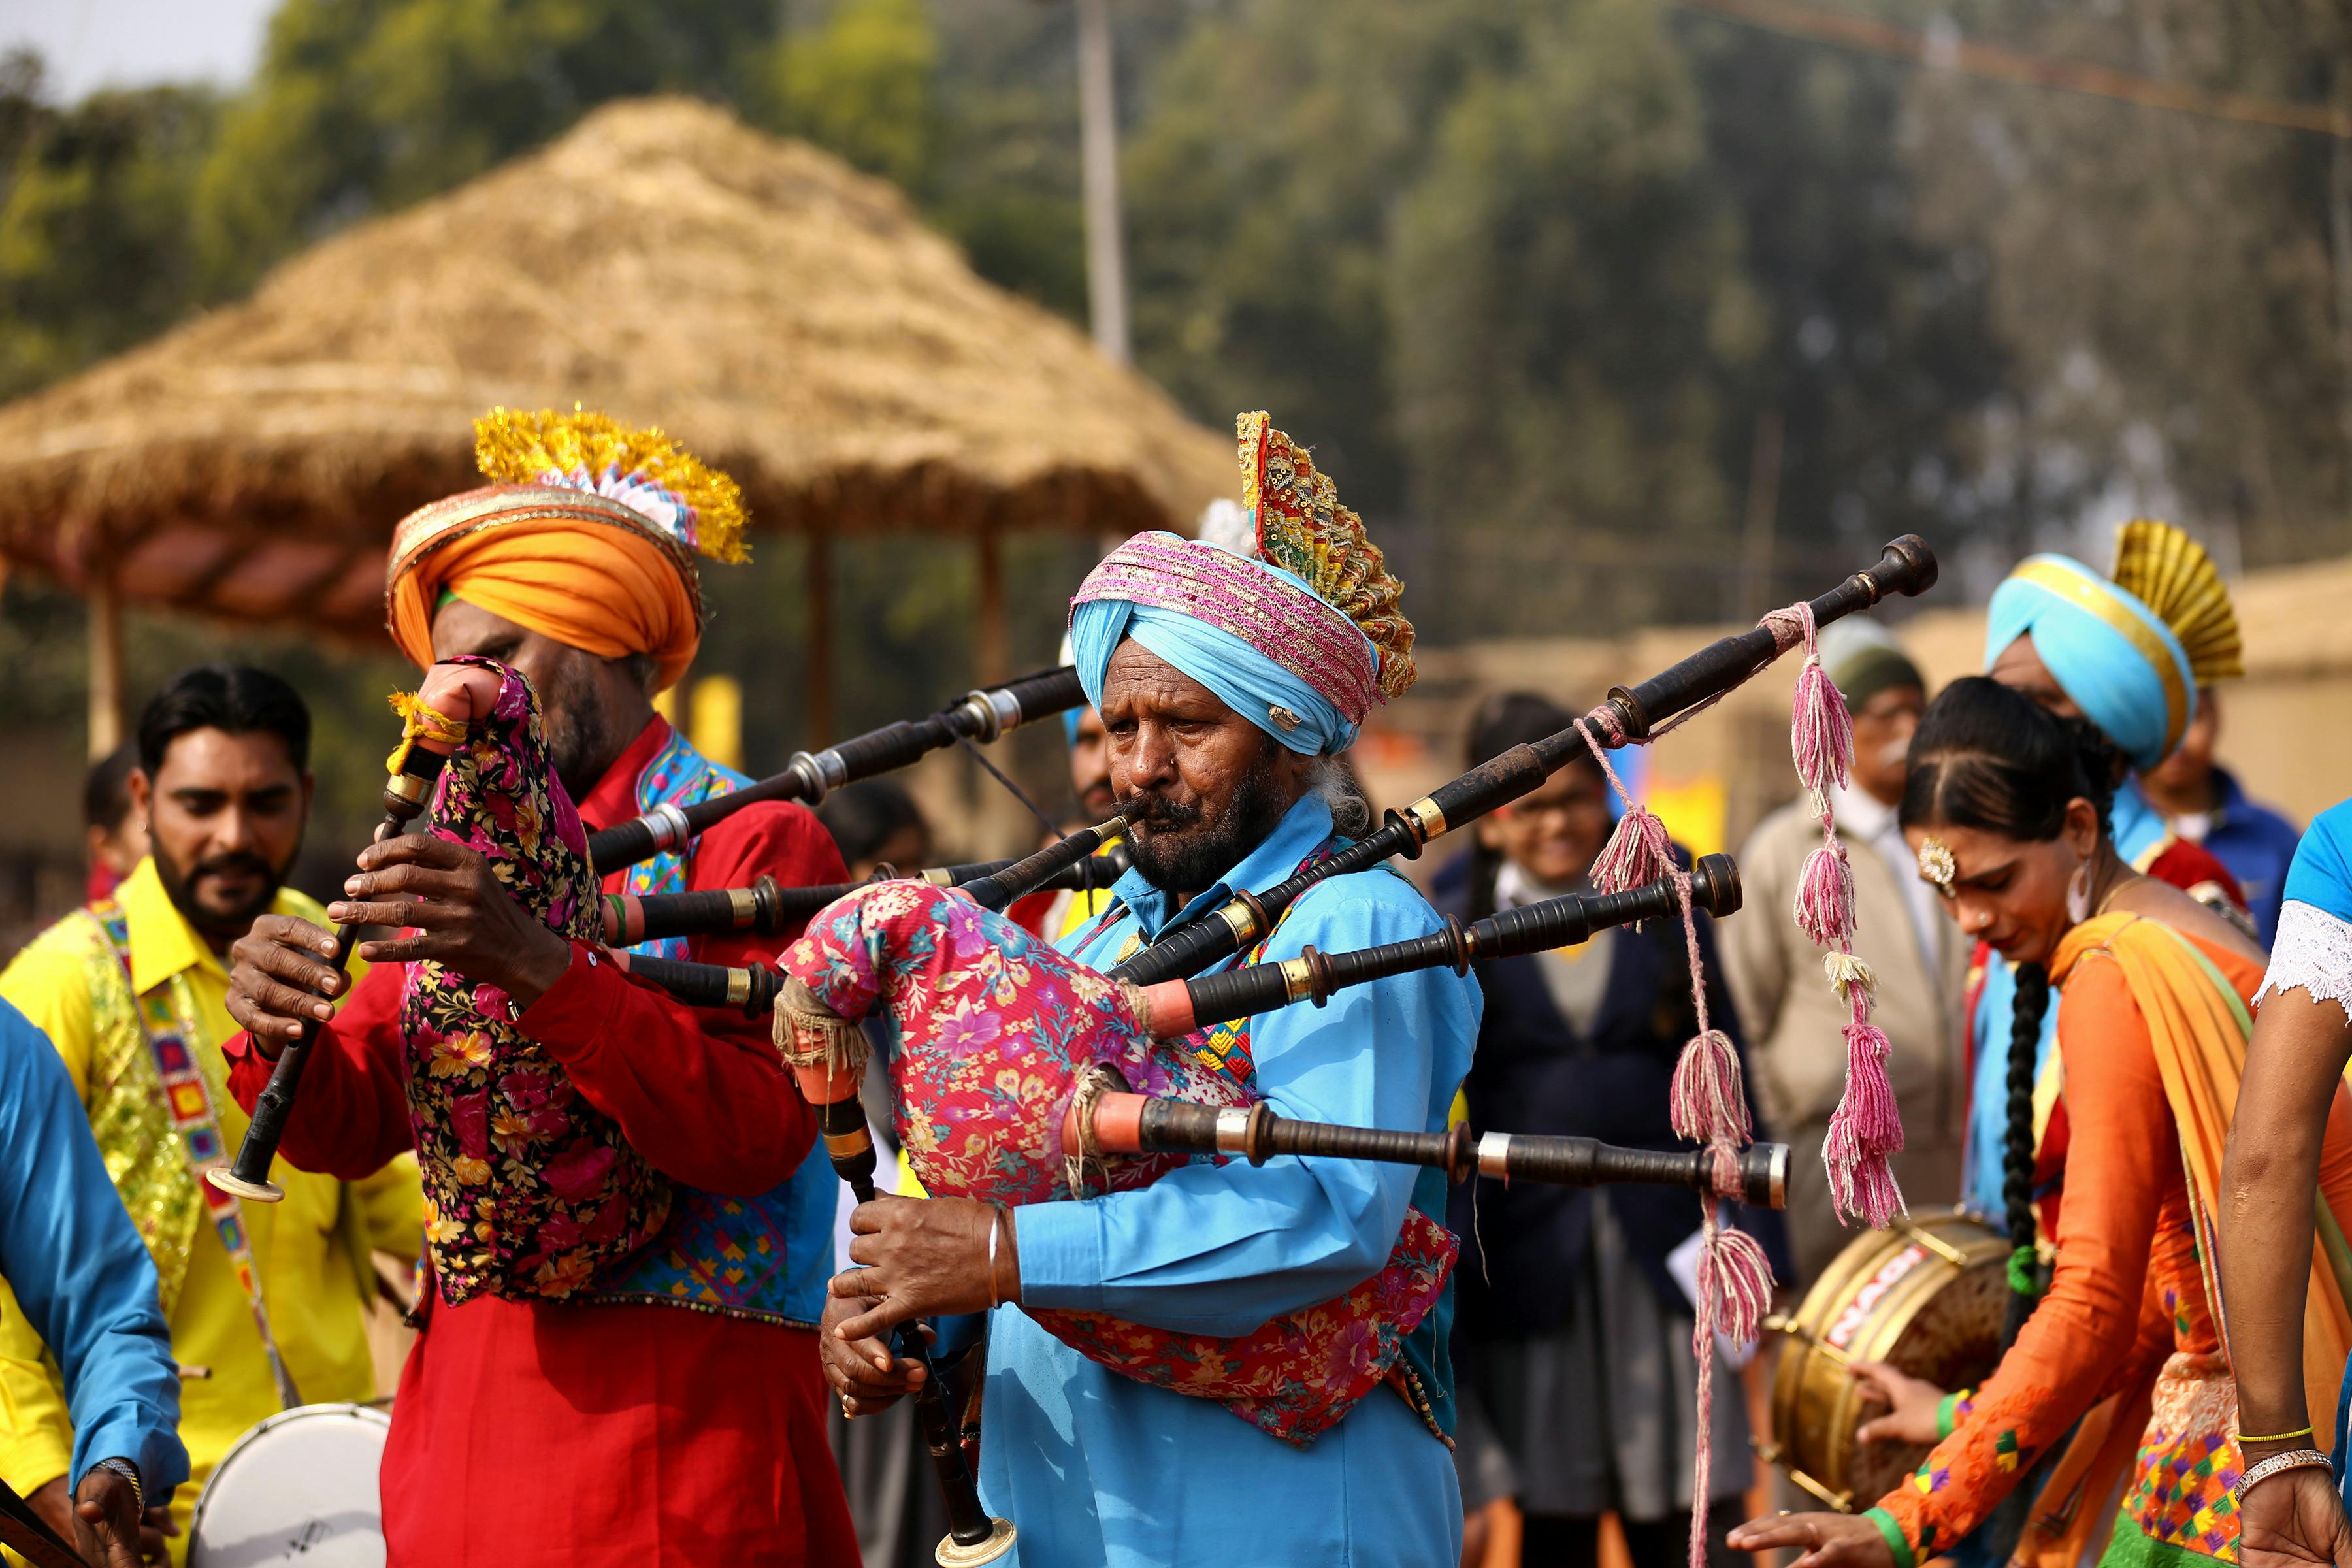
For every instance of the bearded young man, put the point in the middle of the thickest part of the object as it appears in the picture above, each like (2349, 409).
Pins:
(671, 1409)
(267, 1303)
(1226, 682)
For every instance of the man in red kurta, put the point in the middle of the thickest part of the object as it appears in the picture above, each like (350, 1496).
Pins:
(671, 1411)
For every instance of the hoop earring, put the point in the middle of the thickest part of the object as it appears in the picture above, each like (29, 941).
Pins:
(2078, 894)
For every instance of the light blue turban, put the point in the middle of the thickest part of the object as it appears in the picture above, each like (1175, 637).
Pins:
(2118, 661)
(1244, 679)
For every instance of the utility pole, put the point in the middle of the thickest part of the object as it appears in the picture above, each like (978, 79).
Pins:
(1099, 160)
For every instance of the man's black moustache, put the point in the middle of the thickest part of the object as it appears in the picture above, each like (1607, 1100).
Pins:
(234, 860)
(1158, 810)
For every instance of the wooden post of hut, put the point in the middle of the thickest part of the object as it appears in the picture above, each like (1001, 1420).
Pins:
(105, 665)
(816, 585)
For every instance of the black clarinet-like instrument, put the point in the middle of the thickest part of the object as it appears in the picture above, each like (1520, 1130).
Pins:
(810, 776)
(406, 794)
(973, 1536)
(1120, 1123)
(1907, 566)
(1176, 1008)
(768, 910)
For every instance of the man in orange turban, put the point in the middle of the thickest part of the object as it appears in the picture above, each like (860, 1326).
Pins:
(654, 1434)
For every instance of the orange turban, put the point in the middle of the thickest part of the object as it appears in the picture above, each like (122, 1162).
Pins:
(592, 541)
(578, 568)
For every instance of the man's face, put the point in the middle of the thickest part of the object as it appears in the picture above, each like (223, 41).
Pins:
(1090, 767)
(2186, 770)
(226, 815)
(1203, 786)
(2020, 668)
(590, 707)
(1882, 728)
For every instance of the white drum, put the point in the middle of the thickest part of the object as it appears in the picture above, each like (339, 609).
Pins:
(299, 1488)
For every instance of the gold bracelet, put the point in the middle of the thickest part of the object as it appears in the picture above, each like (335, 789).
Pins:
(2298, 1432)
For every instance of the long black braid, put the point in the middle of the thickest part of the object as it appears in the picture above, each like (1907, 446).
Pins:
(2017, 1147)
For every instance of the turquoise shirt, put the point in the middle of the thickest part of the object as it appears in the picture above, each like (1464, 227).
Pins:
(1098, 1469)
(2138, 829)
(80, 1271)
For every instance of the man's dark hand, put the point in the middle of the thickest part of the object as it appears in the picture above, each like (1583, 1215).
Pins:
(279, 974)
(456, 910)
(108, 1526)
(864, 1376)
(925, 1256)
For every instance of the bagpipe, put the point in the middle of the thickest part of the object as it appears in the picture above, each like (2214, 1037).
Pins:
(981, 716)
(1628, 714)
(768, 909)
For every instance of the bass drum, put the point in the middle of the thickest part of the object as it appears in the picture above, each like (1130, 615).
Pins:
(1925, 1295)
(299, 1489)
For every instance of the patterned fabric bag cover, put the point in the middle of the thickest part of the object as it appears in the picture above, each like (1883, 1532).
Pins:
(994, 1029)
(529, 1190)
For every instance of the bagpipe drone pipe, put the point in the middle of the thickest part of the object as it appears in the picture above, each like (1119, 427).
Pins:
(1628, 714)
(768, 909)
(810, 776)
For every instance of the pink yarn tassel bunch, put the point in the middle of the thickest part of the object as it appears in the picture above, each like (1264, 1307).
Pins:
(1708, 1104)
(1866, 1129)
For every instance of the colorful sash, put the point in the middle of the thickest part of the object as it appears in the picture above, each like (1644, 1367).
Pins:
(679, 776)
(167, 1020)
(995, 1030)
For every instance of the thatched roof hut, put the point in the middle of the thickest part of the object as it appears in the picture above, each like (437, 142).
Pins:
(789, 318)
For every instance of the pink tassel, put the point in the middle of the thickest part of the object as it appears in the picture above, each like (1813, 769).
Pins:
(1735, 1273)
(1821, 730)
(1708, 1104)
(1825, 896)
(1636, 853)
(1865, 1129)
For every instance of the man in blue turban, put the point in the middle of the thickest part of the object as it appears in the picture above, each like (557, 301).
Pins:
(1227, 680)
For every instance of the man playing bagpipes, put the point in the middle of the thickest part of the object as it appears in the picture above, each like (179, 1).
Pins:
(1225, 679)
(642, 1385)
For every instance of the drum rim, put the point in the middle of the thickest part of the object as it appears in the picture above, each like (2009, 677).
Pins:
(371, 1415)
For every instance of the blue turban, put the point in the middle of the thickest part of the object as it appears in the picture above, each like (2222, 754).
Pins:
(1244, 679)
(2118, 661)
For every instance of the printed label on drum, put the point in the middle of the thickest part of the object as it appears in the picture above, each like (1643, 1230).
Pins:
(1890, 1273)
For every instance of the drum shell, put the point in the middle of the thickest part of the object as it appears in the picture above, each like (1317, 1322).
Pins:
(301, 1488)
(1925, 1295)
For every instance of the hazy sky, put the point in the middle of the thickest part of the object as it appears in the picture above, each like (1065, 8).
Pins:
(120, 43)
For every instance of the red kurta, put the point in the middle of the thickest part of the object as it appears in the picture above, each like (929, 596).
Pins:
(542, 1433)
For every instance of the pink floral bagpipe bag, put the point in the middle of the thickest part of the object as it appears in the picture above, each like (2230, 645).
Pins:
(996, 1034)
(529, 1189)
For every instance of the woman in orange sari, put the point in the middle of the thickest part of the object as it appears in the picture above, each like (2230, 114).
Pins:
(2115, 1376)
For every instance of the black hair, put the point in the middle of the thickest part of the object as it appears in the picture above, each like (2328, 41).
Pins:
(106, 789)
(235, 699)
(1988, 757)
(2025, 1016)
(1508, 719)
(862, 817)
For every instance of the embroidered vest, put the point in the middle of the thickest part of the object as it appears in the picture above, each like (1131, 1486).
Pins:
(765, 1258)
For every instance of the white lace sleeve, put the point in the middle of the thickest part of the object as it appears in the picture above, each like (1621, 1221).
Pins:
(2314, 952)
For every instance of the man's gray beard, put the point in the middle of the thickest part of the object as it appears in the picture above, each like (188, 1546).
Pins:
(1206, 853)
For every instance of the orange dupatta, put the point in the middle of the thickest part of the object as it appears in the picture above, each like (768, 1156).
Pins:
(2198, 1024)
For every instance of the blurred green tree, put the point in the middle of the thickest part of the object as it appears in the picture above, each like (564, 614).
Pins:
(93, 220)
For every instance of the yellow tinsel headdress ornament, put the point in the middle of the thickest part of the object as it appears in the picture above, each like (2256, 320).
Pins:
(644, 470)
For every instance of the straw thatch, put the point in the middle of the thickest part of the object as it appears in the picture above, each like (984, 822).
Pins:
(787, 317)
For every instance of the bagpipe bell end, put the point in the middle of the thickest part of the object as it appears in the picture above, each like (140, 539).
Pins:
(953, 1553)
(251, 1192)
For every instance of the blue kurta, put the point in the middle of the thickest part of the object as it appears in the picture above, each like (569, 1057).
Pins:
(80, 1271)
(1097, 1468)
(2139, 832)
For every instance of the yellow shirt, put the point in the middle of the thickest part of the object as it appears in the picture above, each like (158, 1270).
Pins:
(303, 1247)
